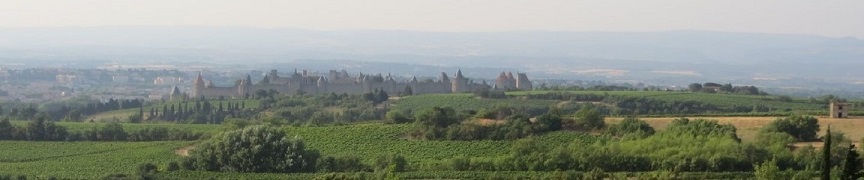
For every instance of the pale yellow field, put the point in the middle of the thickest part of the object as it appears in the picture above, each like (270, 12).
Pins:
(748, 127)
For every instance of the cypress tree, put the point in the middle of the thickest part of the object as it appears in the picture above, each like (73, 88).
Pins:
(826, 155)
(852, 164)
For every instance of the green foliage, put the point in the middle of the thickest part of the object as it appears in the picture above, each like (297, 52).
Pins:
(42, 130)
(465, 102)
(826, 155)
(701, 128)
(803, 128)
(852, 165)
(553, 122)
(146, 170)
(396, 116)
(111, 132)
(342, 164)
(437, 117)
(589, 118)
(768, 170)
(630, 126)
(391, 163)
(253, 149)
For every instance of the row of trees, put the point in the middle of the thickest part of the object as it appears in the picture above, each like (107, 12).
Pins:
(40, 129)
(324, 108)
(197, 112)
(626, 105)
(501, 123)
(710, 87)
(68, 111)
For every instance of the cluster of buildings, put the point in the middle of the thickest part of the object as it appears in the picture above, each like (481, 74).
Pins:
(341, 82)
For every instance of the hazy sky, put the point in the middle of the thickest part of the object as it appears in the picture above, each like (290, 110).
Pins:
(819, 17)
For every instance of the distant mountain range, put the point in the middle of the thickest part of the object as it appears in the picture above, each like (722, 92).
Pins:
(672, 56)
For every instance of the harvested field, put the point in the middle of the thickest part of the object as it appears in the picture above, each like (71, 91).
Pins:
(748, 127)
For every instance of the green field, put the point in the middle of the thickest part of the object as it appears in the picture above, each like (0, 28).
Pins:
(82, 160)
(367, 141)
(90, 160)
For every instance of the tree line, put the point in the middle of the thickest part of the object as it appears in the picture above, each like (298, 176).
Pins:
(41, 129)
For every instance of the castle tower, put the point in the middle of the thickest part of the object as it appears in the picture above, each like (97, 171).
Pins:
(176, 94)
(244, 87)
(443, 78)
(198, 86)
(522, 82)
(459, 83)
(321, 84)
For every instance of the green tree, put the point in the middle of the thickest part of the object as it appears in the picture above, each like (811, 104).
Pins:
(408, 91)
(550, 120)
(590, 118)
(630, 125)
(7, 130)
(396, 116)
(803, 128)
(768, 170)
(253, 149)
(695, 87)
(437, 117)
(398, 163)
(826, 155)
(112, 132)
(852, 165)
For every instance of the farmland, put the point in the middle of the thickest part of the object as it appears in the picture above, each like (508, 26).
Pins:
(81, 160)
(368, 140)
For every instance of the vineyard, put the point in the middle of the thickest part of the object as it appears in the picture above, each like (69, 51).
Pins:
(89, 160)
(389, 139)
(81, 160)
(370, 139)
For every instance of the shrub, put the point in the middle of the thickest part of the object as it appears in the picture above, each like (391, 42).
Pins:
(253, 149)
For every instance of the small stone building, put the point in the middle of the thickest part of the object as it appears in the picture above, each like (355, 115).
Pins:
(839, 110)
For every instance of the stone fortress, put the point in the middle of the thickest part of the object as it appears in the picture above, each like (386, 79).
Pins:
(341, 82)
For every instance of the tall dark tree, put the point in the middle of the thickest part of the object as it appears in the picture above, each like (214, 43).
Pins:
(408, 91)
(826, 155)
(852, 165)
(695, 87)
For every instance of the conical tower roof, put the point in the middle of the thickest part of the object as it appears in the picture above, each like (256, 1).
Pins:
(199, 80)
(175, 91)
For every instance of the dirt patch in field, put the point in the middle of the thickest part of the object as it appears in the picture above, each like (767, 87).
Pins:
(748, 127)
(488, 122)
(184, 151)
